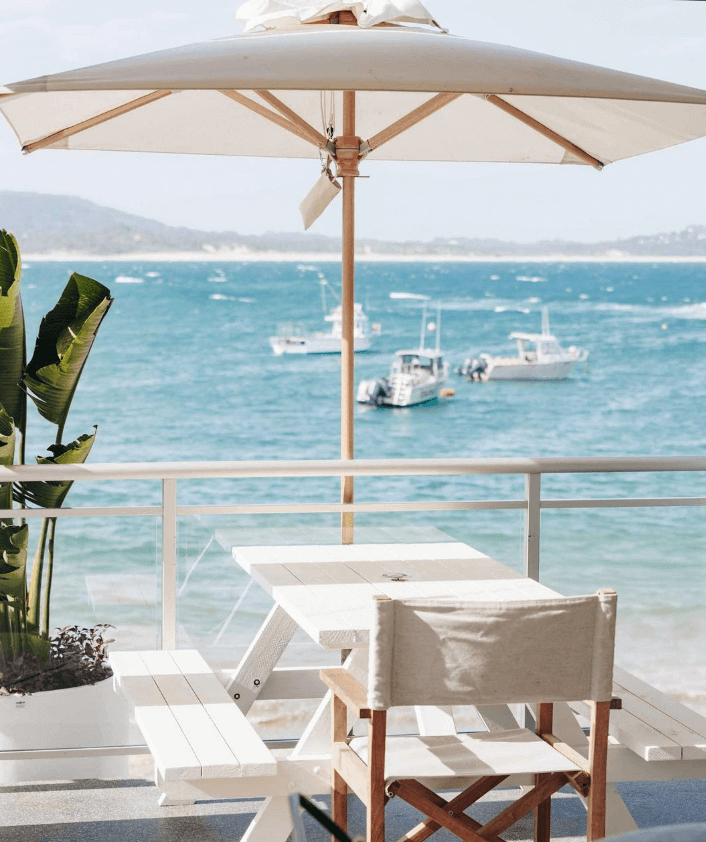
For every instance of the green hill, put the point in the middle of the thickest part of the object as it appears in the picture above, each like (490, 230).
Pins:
(47, 224)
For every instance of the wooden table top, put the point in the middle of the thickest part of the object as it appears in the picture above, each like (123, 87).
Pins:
(328, 589)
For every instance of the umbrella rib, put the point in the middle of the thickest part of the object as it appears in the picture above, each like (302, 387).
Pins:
(274, 117)
(292, 116)
(560, 140)
(416, 116)
(69, 131)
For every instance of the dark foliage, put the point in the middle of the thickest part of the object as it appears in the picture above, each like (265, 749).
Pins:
(77, 656)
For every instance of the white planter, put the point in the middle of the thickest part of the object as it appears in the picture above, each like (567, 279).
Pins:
(80, 717)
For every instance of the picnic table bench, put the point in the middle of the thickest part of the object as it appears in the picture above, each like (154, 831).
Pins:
(651, 724)
(193, 729)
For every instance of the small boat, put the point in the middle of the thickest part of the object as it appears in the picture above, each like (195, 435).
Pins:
(417, 376)
(295, 339)
(539, 357)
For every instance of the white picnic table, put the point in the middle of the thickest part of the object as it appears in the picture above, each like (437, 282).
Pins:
(327, 591)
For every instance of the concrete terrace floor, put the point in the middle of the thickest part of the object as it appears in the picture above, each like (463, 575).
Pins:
(127, 811)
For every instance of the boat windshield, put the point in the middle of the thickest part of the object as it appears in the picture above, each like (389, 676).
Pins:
(407, 362)
(549, 348)
(292, 329)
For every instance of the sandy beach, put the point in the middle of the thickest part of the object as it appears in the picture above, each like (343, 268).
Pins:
(247, 256)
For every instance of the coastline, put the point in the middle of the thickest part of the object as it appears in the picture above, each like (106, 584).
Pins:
(244, 256)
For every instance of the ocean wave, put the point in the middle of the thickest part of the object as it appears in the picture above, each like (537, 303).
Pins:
(690, 311)
(530, 279)
(128, 279)
(411, 295)
(152, 274)
(218, 297)
(485, 304)
(647, 311)
(615, 307)
(501, 309)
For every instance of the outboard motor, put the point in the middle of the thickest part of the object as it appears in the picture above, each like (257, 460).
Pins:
(372, 392)
(472, 368)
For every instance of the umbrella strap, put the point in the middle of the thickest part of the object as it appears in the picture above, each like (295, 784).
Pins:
(321, 817)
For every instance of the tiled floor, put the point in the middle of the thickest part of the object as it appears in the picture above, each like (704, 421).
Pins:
(127, 811)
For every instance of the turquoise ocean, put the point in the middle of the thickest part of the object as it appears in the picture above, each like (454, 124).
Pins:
(182, 370)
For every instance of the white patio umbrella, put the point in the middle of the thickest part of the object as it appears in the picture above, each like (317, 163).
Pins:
(361, 80)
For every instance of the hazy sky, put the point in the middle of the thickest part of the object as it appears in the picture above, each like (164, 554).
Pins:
(660, 192)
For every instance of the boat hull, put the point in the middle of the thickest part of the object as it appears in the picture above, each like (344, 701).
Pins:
(314, 345)
(533, 371)
(399, 391)
(418, 398)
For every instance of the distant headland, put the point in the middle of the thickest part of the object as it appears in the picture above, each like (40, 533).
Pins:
(65, 227)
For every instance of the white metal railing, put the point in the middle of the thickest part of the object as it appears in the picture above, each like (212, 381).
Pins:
(171, 473)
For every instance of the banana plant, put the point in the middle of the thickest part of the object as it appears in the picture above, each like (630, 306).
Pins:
(13, 354)
(64, 341)
(7, 457)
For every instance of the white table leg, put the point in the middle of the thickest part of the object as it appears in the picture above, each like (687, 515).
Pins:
(618, 819)
(435, 721)
(165, 801)
(261, 658)
(316, 739)
(497, 717)
(273, 822)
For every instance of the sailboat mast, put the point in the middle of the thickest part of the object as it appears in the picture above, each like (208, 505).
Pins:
(438, 328)
(323, 283)
(545, 321)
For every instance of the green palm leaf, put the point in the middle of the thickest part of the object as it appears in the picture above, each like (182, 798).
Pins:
(49, 494)
(64, 341)
(12, 331)
(7, 456)
(13, 560)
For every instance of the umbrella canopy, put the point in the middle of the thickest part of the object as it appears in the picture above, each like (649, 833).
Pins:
(357, 80)
(480, 101)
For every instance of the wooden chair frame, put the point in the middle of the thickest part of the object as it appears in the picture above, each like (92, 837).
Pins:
(367, 780)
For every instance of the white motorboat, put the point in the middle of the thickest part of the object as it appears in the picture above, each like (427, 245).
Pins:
(296, 339)
(539, 357)
(417, 376)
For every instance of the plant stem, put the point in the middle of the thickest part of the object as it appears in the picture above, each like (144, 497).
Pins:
(4, 617)
(35, 584)
(44, 629)
(22, 453)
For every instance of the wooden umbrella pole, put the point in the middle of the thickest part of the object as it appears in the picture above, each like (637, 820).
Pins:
(347, 156)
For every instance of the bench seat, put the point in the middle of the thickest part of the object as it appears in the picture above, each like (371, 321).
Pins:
(193, 729)
(652, 724)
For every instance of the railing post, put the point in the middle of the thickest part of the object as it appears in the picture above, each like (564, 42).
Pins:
(169, 564)
(533, 484)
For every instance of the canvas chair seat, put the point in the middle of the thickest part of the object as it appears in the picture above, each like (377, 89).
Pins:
(466, 755)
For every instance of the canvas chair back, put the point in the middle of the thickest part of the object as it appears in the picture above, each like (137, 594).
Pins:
(452, 652)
